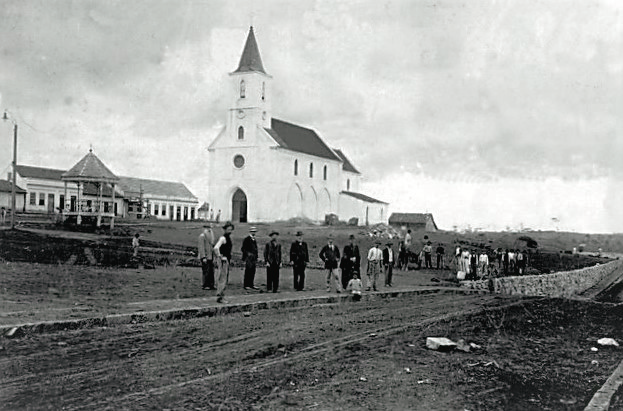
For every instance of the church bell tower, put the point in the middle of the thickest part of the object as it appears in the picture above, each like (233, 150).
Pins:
(251, 94)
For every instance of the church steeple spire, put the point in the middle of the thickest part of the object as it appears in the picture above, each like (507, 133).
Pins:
(250, 60)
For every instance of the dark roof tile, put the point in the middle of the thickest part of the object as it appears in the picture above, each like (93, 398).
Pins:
(301, 139)
(7, 186)
(362, 197)
(39, 172)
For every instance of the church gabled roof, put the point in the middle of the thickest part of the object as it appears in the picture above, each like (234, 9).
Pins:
(301, 139)
(250, 59)
(347, 166)
(90, 168)
(362, 197)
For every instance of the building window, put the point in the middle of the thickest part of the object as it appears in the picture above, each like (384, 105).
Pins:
(33, 198)
(348, 184)
(156, 210)
(263, 91)
(240, 133)
(311, 170)
(164, 209)
(324, 172)
(238, 161)
(243, 89)
(41, 199)
(296, 167)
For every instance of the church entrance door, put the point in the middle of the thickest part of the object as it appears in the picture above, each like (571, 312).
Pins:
(239, 207)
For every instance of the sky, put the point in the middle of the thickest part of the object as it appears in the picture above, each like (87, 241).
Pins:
(490, 114)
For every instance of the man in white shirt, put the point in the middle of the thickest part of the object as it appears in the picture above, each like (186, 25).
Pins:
(375, 259)
(408, 241)
(483, 264)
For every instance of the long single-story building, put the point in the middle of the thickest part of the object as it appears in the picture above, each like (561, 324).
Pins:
(44, 192)
(413, 221)
(6, 194)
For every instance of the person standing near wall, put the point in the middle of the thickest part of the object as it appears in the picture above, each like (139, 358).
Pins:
(299, 257)
(330, 255)
(205, 253)
(222, 258)
(249, 256)
(351, 261)
(272, 257)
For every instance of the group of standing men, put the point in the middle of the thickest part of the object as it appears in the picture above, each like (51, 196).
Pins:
(215, 256)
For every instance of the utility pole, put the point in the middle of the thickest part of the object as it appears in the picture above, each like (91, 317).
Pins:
(13, 193)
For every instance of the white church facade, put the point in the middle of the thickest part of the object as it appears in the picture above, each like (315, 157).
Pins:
(262, 169)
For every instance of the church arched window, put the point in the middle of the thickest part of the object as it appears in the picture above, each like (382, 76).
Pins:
(240, 133)
(324, 172)
(263, 91)
(348, 184)
(243, 89)
(311, 170)
(296, 167)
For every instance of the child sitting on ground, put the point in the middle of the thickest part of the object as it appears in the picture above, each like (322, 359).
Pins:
(355, 286)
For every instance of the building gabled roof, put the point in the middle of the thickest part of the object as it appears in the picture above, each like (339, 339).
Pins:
(347, 166)
(250, 59)
(7, 186)
(301, 139)
(90, 168)
(204, 207)
(39, 172)
(362, 197)
(411, 218)
(132, 187)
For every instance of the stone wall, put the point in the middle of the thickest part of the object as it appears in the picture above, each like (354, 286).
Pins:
(562, 284)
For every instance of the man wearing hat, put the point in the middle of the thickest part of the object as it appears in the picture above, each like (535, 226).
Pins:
(299, 257)
(204, 252)
(222, 257)
(389, 257)
(249, 256)
(351, 261)
(375, 259)
(272, 256)
(330, 255)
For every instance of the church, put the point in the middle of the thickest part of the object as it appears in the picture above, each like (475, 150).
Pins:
(262, 169)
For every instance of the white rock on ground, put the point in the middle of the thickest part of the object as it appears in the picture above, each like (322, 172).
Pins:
(607, 341)
(440, 343)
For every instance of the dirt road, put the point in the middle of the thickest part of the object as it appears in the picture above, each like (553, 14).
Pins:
(334, 356)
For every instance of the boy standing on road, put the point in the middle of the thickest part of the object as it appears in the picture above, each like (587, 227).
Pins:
(135, 245)
(330, 254)
(204, 251)
(222, 253)
(375, 258)
(299, 257)
(249, 256)
(272, 256)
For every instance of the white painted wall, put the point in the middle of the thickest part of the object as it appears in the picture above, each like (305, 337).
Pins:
(352, 207)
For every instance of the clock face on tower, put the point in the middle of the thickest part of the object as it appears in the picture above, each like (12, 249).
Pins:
(240, 113)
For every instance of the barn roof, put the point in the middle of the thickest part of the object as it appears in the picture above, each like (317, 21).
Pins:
(90, 168)
(411, 218)
(39, 172)
(362, 197)
(347, 166)
(301, 139)
(7, 186)
(132, 187)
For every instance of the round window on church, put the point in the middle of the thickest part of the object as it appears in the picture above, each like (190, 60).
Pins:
(238, 161)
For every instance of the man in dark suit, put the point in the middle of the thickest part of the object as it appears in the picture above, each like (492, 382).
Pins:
(249, 256)
(299, 257)
(389, 258)
(272, 256)
(330, 255)
(351, 261)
